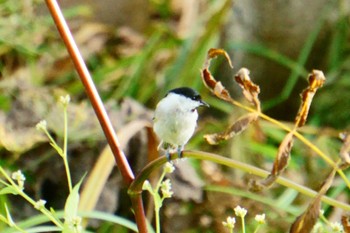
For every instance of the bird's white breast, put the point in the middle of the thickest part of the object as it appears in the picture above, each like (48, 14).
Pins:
(175, 119)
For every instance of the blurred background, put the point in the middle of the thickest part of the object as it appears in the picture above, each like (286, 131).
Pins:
(136, 51)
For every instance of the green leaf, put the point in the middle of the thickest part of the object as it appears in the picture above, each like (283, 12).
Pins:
(8, 190)
(10, 221)
(71, 208)
(72, 202)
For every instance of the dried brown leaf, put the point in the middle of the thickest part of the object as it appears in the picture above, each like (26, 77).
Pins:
(345, 149)
(280, 163)
(305, 222)
(256, 186)
(316, 80)
(236, 128)
(250, 89)
(345, 221)
(209, 81)
(283, 154)
(213, 53)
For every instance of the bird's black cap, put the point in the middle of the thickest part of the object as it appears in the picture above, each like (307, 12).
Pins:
(189, 93)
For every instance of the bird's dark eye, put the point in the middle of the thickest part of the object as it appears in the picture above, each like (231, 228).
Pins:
(196, 97)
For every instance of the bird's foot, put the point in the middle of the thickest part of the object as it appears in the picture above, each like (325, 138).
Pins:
(167, 155)
(180, 151)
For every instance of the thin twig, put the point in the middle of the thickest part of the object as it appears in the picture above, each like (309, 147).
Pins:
(90, 90)
(99, 109)
(136, 187)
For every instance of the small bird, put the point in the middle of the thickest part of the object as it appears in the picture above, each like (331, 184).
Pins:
(175, 119)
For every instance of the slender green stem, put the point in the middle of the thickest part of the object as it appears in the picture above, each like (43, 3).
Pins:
(18, 228)
(53, 143)
(158, 201)
(156, 211)
(159, 182)
(299, 136)
(11, 223)
(65, 155)
(30, 200)
(243, 224)
(136, 186)
(257, 228)
(229, 162)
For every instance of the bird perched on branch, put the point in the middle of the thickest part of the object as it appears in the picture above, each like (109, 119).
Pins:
(175, 119)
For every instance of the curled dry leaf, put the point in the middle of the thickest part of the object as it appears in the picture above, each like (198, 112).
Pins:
(345, 221)
(306, 221)
(280, 163)
(316, 80)
(250, 89)
(209, 81)
(345, 149)
(283, 154)
(213, 53)
(236, 128)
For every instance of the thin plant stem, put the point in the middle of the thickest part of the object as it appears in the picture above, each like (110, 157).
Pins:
(156, 211)
(30, 200)
(53, 143)
(160, 181)
(257, 229)
(299, 136)
(243, 224)
(136, 186)
(157, 203)
(65, 155)
(10, 222)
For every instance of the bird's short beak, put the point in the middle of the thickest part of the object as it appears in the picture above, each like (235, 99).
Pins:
(204, 104)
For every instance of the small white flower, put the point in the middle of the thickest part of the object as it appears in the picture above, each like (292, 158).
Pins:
(336, 227)
(260, 218)
(240, 212)
(169, 168)
(42, 125)
(166, 188)
(230, 222)
(64, 100)
(39, 204)
(19, 177)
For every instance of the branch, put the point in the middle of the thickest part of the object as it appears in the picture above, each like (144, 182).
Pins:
(99, 109)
